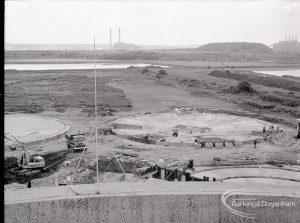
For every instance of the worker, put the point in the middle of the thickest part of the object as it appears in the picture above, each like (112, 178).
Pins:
(202, 144)
(146, 137)
(264, 129)
(190, 164)
(254, 143)
(29, 184)
(277, 128)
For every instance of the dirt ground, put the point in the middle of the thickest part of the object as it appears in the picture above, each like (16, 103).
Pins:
(68, 95)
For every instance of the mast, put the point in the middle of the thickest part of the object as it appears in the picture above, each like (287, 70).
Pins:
(110, 39)
(96, 118)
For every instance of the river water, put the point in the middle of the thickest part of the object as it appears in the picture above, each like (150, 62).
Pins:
(295, 73)
(73, 66)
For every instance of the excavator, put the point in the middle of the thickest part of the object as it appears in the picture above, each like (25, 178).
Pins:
(26, 161)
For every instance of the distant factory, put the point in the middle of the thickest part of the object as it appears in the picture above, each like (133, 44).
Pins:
(121, 46)
(289, 45)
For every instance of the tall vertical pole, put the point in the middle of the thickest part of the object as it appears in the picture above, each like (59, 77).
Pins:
(96, 118)
(298, 128)
(110, 40)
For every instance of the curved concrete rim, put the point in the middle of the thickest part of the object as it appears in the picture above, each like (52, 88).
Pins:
(52, 137)
(221, 174)
(226, 143)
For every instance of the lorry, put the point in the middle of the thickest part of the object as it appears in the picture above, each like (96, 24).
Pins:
(76, 142)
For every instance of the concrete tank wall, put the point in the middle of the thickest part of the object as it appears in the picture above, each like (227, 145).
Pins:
(150, 208)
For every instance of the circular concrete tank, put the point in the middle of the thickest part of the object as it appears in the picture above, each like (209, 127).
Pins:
(212, 128)
(32, 129)
(257, 174)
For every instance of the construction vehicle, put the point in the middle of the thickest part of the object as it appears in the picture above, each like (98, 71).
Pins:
(76, 142)
(25, 161)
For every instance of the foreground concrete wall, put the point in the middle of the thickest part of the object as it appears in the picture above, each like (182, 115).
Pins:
(146, 208)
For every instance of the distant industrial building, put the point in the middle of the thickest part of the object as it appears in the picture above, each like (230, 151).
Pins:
(289, 45)
(121, 46)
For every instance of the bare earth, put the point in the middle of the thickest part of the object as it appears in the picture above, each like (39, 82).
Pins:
(127, 92)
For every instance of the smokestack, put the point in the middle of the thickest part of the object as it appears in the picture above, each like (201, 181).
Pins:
(110, 38)
(119, 35)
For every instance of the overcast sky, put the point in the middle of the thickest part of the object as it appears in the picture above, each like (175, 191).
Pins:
(151, 22)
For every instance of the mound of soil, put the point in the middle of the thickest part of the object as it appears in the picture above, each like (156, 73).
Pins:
(238, 47)
(111, 165)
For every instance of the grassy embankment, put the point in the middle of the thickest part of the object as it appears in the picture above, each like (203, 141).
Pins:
(37, 91)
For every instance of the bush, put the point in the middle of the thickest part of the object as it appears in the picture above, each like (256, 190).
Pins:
(244, 86)
(145, 70)
(161, 73)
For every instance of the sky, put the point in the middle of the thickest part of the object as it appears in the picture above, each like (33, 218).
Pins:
(150, 22)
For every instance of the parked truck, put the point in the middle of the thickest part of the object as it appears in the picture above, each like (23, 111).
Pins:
(76, 142)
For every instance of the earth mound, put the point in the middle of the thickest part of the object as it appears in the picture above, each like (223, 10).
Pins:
(238, 47)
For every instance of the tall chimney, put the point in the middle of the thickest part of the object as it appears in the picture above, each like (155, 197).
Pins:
(110, 39)
(119, 35)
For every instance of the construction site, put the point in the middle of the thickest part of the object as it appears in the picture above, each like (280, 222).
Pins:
(120, 132)
(175, 129)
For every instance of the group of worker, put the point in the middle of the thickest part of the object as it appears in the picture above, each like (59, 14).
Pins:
(272, 128)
